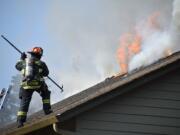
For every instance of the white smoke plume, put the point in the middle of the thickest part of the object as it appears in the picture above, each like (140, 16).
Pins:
(88, 33)
(175, 27)
(157, 43)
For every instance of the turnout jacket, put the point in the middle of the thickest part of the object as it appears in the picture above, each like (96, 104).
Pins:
(42, 71)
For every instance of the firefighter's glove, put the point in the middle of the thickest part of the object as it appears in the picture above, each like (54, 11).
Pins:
(23, 56)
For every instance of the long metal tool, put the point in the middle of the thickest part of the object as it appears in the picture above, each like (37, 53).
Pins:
(60, 87)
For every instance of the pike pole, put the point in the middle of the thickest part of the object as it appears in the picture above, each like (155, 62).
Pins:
(60, 87)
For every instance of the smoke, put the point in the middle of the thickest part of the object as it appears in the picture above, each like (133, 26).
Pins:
(152, 50)
(11, 106)
(88, 33)
(157, 43)
(175, 27)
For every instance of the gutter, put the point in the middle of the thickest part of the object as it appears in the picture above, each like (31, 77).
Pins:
(61, 131)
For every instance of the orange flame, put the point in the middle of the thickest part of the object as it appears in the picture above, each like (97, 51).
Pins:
(130, 43)
(153, 21)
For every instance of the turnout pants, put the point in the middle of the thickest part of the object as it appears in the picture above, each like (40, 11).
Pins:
(25, 96)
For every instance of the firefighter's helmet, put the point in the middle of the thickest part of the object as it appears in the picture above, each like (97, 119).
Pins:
(37, 51)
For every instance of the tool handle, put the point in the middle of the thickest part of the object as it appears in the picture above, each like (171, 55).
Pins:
(11, 44)
(60, 87)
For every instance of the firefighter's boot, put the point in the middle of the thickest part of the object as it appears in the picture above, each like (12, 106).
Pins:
(20, 124)
(46, 112)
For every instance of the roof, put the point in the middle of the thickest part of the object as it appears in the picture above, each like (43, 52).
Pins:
(62, 110)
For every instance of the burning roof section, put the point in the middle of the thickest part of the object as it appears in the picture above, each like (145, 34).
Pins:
(136, 42)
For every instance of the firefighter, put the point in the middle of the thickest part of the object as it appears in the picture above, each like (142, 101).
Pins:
(33, 70)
